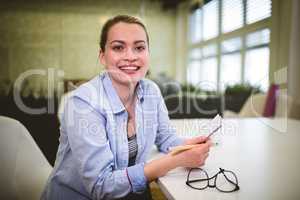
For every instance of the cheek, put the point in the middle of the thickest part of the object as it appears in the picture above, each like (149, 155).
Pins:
(111, 60)
(145, 59)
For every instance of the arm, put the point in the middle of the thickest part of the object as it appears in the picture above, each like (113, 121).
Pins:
(166, 134)
(85, 128)
(166, 137)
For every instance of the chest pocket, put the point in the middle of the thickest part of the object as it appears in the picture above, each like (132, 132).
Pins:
(111, 132)
(150, 126)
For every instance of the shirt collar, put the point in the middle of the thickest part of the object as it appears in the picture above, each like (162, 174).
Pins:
(116, 103)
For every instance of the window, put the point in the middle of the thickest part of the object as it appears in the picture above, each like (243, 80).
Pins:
(210, 20)
(195, 26)
(258, 38)
(224, 49)
(256, 70)
(231, 45)
(193, 72)
(230, 69)
(208, 74)
(232, 15)
(257, 10)
(257, 58)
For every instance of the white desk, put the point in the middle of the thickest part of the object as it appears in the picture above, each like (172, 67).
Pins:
(264, 154)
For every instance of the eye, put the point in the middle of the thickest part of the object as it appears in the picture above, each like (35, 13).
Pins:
(140, 48)
(118, 48)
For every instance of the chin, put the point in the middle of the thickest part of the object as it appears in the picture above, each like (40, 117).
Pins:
(127, 77)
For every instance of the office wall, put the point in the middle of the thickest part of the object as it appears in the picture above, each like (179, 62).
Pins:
(182, 14)
(64, 35)
(280, 36)
(294, 60)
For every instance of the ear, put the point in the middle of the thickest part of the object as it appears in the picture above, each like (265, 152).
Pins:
(101, 58)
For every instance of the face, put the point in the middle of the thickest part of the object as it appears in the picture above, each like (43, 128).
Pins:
(126, 54)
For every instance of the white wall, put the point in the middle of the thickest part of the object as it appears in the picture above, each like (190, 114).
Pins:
(65, 35)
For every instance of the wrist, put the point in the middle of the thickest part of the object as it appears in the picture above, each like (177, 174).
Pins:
(175, 161)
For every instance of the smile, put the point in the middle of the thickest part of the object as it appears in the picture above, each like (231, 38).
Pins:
(129, 68)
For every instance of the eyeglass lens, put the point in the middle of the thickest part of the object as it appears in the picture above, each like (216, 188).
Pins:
(198, 178)
(226, 181)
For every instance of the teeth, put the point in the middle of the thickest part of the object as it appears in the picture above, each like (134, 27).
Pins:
(129, 68)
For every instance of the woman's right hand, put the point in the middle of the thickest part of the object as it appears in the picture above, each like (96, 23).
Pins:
(194, 157)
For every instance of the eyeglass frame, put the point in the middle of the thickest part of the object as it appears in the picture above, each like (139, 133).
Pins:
(221, 171)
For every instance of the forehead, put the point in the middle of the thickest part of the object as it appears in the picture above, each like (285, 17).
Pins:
(126, 32)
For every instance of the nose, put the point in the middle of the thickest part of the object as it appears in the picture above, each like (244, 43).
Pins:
(130, 55)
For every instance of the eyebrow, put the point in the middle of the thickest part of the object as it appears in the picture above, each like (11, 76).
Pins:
(121, 41)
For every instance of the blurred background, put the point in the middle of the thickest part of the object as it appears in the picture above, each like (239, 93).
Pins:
(207, 56)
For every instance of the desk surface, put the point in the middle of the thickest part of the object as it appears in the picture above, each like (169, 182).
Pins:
(264, 154)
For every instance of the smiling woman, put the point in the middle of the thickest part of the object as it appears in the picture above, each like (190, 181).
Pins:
(110, 124)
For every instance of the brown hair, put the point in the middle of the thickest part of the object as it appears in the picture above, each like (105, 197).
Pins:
(119, 18)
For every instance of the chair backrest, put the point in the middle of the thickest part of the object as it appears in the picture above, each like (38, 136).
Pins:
(254, 106)
(24, 169)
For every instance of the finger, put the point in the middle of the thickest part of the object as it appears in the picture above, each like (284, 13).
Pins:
(197, 140)
(209, 143)
(208, 139)
(203, 159)
(201, 149)
(200, 139)
(206, 150)
(206, 146)
(206, 155)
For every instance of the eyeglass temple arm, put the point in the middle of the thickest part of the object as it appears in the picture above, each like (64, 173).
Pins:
(202, 179)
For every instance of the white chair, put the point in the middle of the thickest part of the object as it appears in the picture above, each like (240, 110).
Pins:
(24, 169)
(253, 107)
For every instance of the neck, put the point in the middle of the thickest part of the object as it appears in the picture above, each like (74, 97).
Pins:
(126, 92)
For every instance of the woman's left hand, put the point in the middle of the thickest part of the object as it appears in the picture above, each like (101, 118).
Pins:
(195, 140)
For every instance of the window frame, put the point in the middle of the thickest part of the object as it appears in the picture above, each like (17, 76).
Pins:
(240, 32)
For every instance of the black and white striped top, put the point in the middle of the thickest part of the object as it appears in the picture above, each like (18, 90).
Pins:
(132, 149)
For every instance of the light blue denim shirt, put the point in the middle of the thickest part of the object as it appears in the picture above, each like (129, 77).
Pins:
(92, 158)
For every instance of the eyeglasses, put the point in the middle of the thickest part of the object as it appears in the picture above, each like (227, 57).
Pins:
(224, 180)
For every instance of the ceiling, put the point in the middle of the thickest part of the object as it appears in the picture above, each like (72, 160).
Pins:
(170, 4)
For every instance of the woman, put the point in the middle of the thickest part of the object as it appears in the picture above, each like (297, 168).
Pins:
(110, 124)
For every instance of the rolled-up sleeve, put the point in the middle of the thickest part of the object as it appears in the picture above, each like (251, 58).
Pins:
(85, 129)
(137, 177)
(166, 135)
